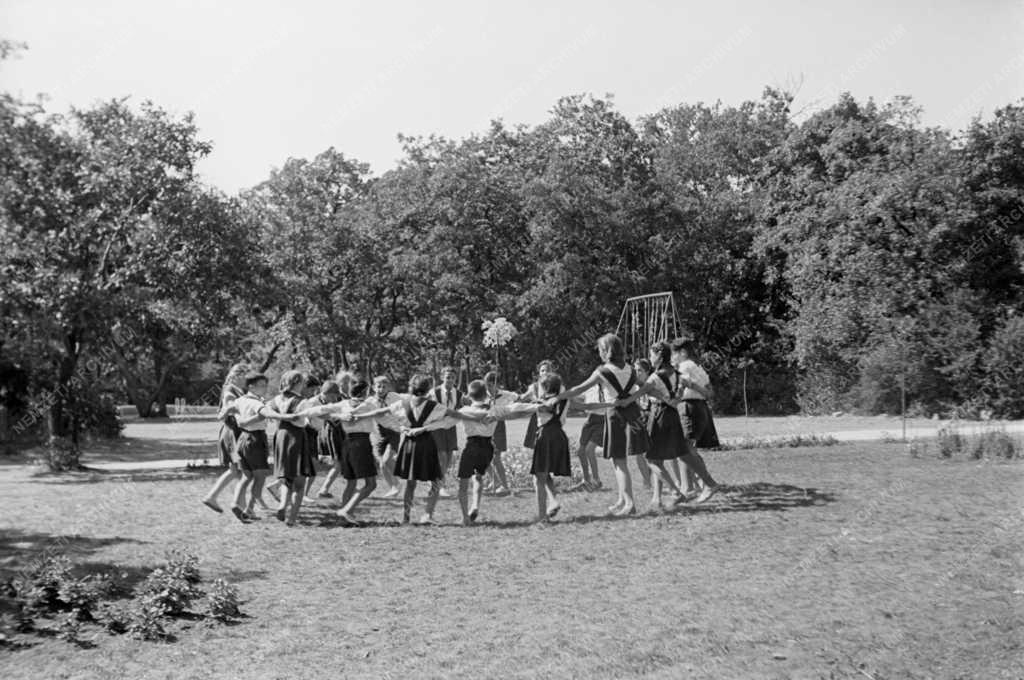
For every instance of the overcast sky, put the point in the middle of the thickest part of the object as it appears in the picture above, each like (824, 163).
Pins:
(271, 80)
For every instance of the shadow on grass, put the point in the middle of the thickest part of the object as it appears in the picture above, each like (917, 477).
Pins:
(93, 476)
(20, 550)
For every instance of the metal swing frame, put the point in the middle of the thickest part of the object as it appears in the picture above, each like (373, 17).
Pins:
(648, 319)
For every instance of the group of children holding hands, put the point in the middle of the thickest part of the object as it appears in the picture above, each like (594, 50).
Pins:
(655, 410)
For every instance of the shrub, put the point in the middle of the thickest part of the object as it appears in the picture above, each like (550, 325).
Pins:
(146, 621)
(1002, 380)
(183, 565)
(166, 593)
(38, 592)
(222, 601)
(994, 444)
(950, 442)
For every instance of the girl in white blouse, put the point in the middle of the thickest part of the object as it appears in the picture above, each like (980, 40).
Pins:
(625, 434)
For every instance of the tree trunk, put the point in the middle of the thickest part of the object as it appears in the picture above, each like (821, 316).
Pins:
(62, 452)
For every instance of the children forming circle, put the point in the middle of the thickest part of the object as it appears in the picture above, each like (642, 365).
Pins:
(655, 410)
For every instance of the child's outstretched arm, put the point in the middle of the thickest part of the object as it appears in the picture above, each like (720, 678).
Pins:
(579, 389)
(594, 406)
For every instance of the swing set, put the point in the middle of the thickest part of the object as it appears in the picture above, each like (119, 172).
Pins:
(645, 320)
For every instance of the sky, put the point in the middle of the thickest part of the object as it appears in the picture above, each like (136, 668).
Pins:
(272, 80)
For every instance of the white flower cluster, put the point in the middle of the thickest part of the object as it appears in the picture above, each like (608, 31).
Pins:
(499, 332)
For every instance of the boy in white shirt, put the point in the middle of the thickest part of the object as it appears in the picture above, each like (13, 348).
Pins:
(698, 424)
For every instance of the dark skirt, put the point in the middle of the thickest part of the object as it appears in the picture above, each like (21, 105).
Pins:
(357, 461)
(500, 437)
(668, 440)
(330, 440)
(417, 459)
(530, 440)
(227, 441)
(625, 433)
(289, 453)
(551, 452)
(476, 457)
(251, 450)
(593, 430)
(446, 440)
(698, 423)
(309, 452)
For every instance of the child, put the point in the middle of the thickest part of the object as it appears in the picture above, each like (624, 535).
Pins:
(666, 431)
(357, 462)
(418, 456)
(252, 449)
(480, 450)
(291, 462)
(532, 394)
(696, 416)
(591, 438)
(643, 369)
(624, 433)
(551, 450)
(330, 436)
(313, 428)
(232, 390)
(388, 440)
(503, 398)
(447, 439)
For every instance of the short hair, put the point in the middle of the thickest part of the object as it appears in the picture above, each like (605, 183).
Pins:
(254, 378)
(551, 384)
(290, 379)
(330, 387)
(477, 390)
(546, 364)
(381, 379)
(447, 369)
(238, 369)
(645, 365)
(419, 385)
(491, 377)
(609, 346)
(684, 345)
(664, 351)
(359, 388)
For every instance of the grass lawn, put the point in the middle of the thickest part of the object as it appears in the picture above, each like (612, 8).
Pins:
(848, 561)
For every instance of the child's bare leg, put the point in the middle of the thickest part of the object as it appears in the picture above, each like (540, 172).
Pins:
(478, 492)
(464, 499)
(673, 469)
(591, 452)
(259, 478)
(625, 485)
(387, 468)
(296, 494)
(350, 490)
(332, 475)
(553, 504)
(408, 499)
(645, 470)
(369, 484)
(498, 468)
(219, 486)
(694, 462)
(542, 496)
(435, 491)
(282, 504)
(244, 482)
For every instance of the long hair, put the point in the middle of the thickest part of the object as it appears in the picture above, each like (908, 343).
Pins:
(609, 347)
(235, 371)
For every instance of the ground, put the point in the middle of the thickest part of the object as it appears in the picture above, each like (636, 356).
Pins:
(846, 561)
